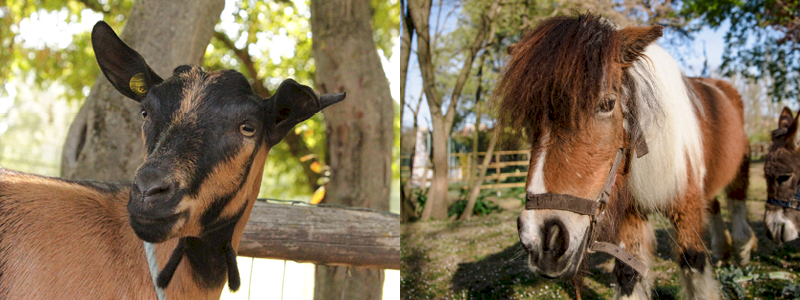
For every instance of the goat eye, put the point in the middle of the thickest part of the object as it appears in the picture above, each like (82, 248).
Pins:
(247, 130)
(607, 105)
(144, 114)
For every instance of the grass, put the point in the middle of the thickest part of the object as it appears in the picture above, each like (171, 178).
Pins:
(481, 258)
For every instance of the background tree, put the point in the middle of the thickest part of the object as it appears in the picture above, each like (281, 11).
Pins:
(360, 132)
(763, 39)
(442, 116)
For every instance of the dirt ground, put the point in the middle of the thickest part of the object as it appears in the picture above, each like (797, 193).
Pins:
(482, 259)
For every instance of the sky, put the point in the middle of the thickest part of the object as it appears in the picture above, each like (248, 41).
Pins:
(691, 62)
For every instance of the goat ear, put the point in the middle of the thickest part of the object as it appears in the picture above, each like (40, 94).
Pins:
(291, 104)
(633, 40)
(124, 67)
(785, 118)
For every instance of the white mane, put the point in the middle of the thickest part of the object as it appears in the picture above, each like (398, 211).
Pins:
(671, 128)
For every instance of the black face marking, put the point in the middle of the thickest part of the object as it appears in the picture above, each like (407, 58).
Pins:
(210, 217)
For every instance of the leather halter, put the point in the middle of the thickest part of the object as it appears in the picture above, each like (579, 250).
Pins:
(787, 203)
(595, 209)
(790, 203)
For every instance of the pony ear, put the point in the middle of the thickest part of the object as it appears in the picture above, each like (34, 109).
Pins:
(792, 138)
(511, 48)
(633, 40)
(785, 118)
(291, 104)
(124, 67)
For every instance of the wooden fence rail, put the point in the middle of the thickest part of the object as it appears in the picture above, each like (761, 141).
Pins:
(322, 235)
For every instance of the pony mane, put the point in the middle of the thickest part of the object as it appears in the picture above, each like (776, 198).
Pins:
(668, 112)
(556, 73)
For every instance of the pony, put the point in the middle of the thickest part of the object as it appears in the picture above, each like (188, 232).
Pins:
(782, 172)
(617, 132)
(206, 138)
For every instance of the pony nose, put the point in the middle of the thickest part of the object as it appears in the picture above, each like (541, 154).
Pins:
(151, 185)
(556, 242)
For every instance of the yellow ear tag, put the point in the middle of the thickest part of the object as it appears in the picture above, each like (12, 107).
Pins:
(137, 84)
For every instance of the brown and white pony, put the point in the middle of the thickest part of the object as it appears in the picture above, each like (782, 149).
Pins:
(582, 90)
(782, 172)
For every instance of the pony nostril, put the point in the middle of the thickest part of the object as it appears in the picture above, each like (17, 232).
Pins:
(555, 241)
(552, 237)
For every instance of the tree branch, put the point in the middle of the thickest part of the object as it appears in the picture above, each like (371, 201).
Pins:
(247, 60)
(95, 6)
(297, 147)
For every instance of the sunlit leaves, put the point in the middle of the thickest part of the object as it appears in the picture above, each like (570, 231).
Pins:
(761, 41)
(59, 54)
(386, 23)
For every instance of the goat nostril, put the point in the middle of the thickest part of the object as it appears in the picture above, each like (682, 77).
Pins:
(156, 190)
(152, 189)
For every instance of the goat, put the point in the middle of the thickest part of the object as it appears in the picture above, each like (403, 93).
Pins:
(206, 139)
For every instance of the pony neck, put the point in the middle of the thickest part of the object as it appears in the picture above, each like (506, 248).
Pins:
(203, 277)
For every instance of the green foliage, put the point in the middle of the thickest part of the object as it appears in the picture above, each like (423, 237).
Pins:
(729, 278)
(386, 24)
(482, 206)
(760, 41)
(748, 283)
(67, 62)
(422, 197)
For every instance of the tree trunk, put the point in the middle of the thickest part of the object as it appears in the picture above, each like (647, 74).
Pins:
(104, 141)
(476, 189)
(360, 129)
(436, 205)
(442, 121)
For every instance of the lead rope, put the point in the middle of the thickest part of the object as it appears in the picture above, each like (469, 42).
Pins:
(152, 263)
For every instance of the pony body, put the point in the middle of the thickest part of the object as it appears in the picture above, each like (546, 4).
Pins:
(582, 89)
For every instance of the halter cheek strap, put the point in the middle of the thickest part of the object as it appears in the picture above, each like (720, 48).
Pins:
(788, 203)
(595, 209)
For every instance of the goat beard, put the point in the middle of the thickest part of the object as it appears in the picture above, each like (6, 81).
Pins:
(165, 276)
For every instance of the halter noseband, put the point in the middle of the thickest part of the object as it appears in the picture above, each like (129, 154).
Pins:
(787, 203)
(595, 209)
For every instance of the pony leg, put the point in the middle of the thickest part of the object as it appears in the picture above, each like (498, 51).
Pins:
(720, 237)
(637, 237)
(696, 271)
(744, 240)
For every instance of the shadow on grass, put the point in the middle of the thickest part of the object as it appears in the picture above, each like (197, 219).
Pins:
(413, 284)
(501, 275)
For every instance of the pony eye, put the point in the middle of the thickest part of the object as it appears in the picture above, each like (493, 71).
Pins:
(144, 114)
(607, 105)
(247, 130)
(783, 178)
